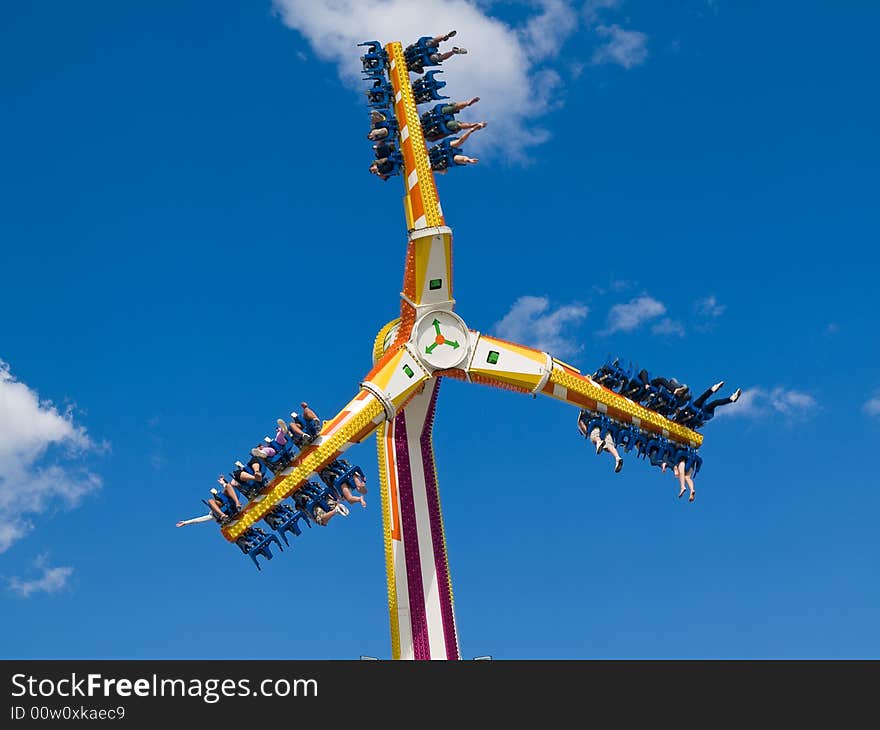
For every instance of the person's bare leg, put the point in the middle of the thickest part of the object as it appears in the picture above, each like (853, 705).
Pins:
(437, 40)
(464, 160)
(459, 105)
(232, 494)
(350, 498)
(690, 482)
(308, 413)
(215, 508)
(459, 141)
(611, 449)
(441, 57)
(469, 125)
(295, 427)
(679, 472)
(326, 517)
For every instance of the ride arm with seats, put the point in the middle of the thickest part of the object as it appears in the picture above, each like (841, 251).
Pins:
(524, 369)
(393, 381)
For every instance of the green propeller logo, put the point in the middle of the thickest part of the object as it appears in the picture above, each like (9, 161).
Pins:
(440, 340)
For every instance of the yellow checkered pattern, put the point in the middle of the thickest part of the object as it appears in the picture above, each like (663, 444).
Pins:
(581, 385)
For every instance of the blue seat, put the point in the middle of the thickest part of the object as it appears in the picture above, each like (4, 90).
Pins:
(375, 58)
(312, 495)
(603, 423)
(392, 127)
(418, 55)
(613, 375)
(427, 88)
(255, 541)
(660, 450)
(396, 160)
(442, 155)
(249, 489)
(284, 455)
(690, 457)
(227, 507)
(284, 519)
(380, 95)
(345, 474)
(435, 124)
(626, 437)
(313, 427)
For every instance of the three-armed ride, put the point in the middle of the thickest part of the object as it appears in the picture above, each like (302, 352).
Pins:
(430, 341)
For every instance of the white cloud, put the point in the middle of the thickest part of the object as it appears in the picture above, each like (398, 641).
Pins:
(761, 402)
(503, 65)
(531, 322)
(543, 34)
(670, 327)
(593, 8)
(627, 48)
(499, 68)
(872, 406)
(33, 481)
(51, 581)
(709, 308)
(626, 317)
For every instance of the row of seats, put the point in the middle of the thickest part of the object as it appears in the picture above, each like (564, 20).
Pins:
(667, 397)
(658, 450)
(284, 517)
(380, 96)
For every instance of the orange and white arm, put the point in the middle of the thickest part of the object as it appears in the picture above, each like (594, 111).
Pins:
(524, 369)
(394, 380)
(427, 279)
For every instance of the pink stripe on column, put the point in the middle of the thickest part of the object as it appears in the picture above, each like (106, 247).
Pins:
(441, 564)
(418, 617)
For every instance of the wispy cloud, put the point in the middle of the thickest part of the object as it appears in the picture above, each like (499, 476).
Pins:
(628, 316)
(762, 402)
(42, 451)
(506, 65)
(709, 308)
(52, 579)
(871, 406)
(544, 33)
(707, 312)
(593, 9)
(531, 321)
(627, 48)
(668, 327)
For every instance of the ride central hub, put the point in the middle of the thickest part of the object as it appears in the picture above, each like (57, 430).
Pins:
(441, 340)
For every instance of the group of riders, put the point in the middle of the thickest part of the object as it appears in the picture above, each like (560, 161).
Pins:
(666, 396)
(312, 502)
(439, 123)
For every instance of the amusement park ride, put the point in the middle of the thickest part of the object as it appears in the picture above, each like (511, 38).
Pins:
(398, 397)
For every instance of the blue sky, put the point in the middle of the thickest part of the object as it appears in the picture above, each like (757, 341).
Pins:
(192, 245)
